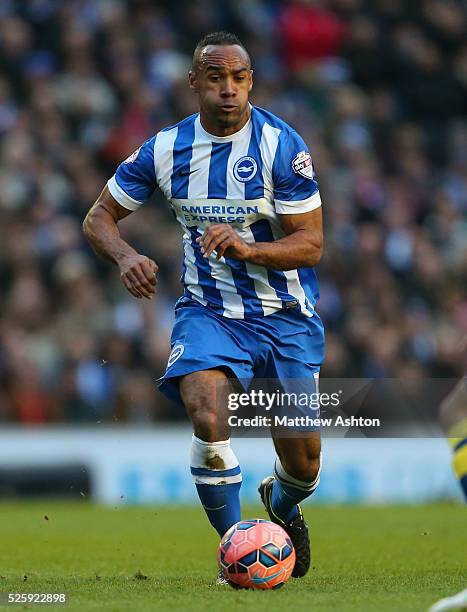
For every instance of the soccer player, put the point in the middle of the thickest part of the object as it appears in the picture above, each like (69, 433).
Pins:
(241, 184)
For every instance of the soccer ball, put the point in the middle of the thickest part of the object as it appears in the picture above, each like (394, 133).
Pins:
(256, 554)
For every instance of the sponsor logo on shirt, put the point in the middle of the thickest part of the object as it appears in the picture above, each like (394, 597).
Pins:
(218, 213)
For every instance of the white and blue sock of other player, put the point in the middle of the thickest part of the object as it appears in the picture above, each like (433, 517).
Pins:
(218, 478)
(287, 492)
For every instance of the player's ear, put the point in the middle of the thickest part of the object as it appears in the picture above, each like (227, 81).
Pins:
(192, 81)
(250, 77)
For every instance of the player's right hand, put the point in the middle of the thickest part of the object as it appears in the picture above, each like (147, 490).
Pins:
(138, 274)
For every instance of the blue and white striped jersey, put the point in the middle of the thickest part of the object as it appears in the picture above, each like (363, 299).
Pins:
(247, 180)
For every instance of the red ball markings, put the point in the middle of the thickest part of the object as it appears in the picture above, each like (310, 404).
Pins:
(256, 554)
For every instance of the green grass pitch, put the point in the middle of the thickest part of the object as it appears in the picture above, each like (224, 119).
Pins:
(373, 559)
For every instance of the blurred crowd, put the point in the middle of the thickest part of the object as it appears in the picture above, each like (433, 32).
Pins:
(377, 89)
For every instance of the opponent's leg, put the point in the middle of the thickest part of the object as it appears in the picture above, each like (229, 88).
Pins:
(453, 418)
(296, 477)
(214, 466)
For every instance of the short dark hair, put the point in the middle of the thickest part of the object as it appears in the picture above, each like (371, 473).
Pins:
(217, 38)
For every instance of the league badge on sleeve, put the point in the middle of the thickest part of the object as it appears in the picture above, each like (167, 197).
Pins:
(132, 157)
(303, 164)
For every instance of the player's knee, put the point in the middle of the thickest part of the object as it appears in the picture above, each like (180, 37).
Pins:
(304, 467)
(203, 417)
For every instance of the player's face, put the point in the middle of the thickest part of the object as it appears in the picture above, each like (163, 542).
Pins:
(222, 78)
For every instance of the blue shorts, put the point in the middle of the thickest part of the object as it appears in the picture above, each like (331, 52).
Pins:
(283, 346)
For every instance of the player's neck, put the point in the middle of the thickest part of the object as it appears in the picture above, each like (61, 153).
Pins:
(212, 127)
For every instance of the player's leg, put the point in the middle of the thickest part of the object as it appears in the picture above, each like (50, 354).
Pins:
(295, 346)
(296, 474)
(291, 362)
(204, 395)
(296, 477)
(214, 466)
(204, 347)
(453, 418)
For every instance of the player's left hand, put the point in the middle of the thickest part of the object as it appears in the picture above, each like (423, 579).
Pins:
(224, 240)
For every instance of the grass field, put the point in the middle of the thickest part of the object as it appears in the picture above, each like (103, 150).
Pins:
(138, 559)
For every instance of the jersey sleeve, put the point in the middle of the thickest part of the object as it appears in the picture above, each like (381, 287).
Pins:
(135, 179)
(295, 186)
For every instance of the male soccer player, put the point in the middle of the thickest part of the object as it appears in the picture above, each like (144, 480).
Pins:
(241, 184)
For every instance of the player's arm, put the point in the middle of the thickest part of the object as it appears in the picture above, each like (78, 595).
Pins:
(298, 206)
(138, 272)
(301, 247)
(133, 183)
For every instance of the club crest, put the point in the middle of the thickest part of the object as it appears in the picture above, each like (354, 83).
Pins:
(245, 169)
(175, 354)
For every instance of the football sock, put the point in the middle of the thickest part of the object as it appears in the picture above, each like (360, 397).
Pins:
(458, 440)
(287, 492)
(218, 478)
